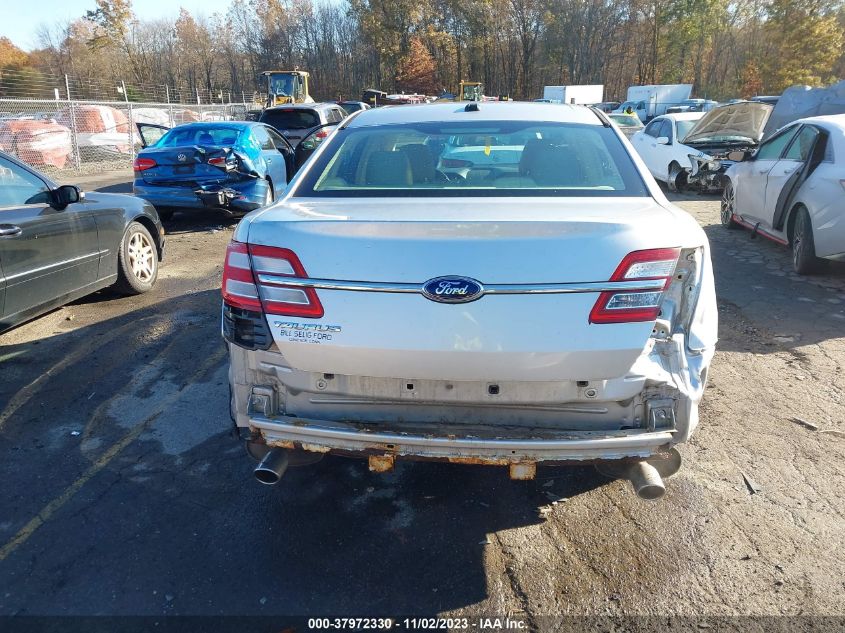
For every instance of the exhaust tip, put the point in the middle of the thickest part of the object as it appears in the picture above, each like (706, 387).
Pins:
(647, 482)
(646, 476)
(271, 468)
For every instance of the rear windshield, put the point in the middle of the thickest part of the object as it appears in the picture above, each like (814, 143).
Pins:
(350, 107)
(291, 119)
(199, 135)
(495, 158)
(626, 119)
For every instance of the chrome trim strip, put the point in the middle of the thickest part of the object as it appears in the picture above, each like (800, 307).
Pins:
(491, 289)
(57, 266)
(566, 446)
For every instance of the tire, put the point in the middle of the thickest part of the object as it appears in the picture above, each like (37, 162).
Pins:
(137, 261)
(677, 179)
(804, 259)
(165, 214)
(728, 206)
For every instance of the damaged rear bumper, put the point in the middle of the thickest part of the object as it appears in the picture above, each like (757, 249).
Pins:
(459, 444)
(229, 197)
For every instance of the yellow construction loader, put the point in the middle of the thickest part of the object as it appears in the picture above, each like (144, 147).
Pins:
(286, 86)
(470, 91)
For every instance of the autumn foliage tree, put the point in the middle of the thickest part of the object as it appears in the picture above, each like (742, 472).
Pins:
(417, 71)
(725, 48)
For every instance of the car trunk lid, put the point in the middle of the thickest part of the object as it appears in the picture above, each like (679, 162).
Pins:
(185, 165)
(527, 334)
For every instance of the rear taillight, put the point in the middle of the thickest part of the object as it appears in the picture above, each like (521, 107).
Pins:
(636, 305)
(249, 268)
(217, 161)
(239, 289)
(141, 164)
(276, 297)
(321, 134)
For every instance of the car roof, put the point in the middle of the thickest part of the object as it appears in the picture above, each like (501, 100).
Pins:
(213, 124)
(456, 112)
(302, 106)
(682, 116)
(828, 120)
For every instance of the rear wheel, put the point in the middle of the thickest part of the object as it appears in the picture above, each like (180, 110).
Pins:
(728, 206)
(804, 259)
(137, 261)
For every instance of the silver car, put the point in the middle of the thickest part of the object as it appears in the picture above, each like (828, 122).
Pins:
(295, 121)
(546, 304)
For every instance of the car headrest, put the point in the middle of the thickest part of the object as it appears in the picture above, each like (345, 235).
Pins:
(205, 139)
(422, 162)
(389, 169)
(551, 165)
(229, 140)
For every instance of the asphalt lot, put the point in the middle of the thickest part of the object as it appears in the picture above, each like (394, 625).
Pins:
(125, 491)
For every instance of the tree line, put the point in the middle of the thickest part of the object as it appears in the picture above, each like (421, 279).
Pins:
(726, 48)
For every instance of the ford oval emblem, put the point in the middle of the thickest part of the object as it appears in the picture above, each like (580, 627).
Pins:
(452, 289)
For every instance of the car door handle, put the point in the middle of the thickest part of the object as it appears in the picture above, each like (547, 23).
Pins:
(789, 171)
(763, 171)
(9, 230)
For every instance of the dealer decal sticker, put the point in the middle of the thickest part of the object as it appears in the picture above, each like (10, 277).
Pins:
(294, 332)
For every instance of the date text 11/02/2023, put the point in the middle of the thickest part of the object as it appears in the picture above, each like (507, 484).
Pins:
(417, 624)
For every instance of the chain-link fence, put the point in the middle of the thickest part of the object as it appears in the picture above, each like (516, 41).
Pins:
(60, 136)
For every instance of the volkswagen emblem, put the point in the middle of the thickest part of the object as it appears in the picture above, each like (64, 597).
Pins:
(452, 289)
(181, 158)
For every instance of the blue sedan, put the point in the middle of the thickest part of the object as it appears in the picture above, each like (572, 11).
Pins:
(232, 166)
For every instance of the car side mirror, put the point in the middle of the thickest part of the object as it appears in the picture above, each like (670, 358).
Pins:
(66, 195)
(739, 156)
(662, 140)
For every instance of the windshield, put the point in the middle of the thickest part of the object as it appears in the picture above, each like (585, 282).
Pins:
(291, 118)
(493, 158)
(199, 135)
(282, 85)
(684, 127)
(471, 93)
(626, 119)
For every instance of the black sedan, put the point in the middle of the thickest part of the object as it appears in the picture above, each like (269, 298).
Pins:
(58, 244)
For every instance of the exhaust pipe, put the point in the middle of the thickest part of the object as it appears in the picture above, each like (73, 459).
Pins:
(646, 476)
(271, 468)
(647, 482)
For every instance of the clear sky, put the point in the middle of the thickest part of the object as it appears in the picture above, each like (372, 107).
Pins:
(20, 18)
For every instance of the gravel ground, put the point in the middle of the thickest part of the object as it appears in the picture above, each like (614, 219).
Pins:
(125, 492)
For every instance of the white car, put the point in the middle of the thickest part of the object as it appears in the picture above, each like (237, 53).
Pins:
(791, 190)
(695, 149)
(553, 307)
(660, 146)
